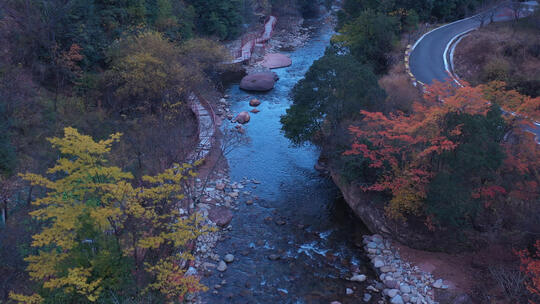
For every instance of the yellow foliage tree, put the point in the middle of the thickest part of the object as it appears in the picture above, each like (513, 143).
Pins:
(91, 208)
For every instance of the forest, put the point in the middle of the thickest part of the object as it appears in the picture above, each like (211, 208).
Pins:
(96, 131)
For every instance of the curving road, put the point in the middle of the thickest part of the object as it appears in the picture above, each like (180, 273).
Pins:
(427, 60)
(430, 58)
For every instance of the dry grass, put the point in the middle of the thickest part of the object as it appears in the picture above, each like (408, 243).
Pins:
(508, 52)
(399, 90)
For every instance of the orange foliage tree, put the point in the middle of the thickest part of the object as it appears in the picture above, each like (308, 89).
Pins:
(407, 147)
(512, 100)
(530, 265)
(452, 155)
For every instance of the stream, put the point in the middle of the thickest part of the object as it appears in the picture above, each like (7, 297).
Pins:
(296, 243)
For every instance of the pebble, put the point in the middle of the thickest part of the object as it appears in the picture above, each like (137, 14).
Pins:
(392, 292)
(378, 262)
(349, 291)
(386, 269)
(191, 271)
(273, 257)
(367, 297)
(358, 278)
(372, 288)
(222, 266)
(438, 283)
(229, 258)
(405, 288)
(280, 222)
(372, 245)
(397, 300)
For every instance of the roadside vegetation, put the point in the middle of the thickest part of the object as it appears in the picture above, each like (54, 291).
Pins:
(507, 52)
(447, 160)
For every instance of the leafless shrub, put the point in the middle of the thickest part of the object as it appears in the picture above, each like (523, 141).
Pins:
(400, 92)
(511, 281)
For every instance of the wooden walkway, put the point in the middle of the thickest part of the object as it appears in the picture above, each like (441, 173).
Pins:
(206, 126)
(250, 41)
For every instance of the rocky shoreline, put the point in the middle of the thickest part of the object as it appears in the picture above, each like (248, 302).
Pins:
(221, 198)
(400, 281)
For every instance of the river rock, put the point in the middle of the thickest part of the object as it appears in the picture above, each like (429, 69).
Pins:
(222, 216)
(276, 60)
(243, 117)
(405, 288)
(255, 111)
(371, 288)
(367, 297)
(240, 129)
(254, 102)
(222, 266)
(229, 258)
(392, 292)
(349, 291)
(358, 278)
(386, 269)
(263, 81)
(391, 283)
(372, 245)
(397, 300)
(273, 257)
(378, 262)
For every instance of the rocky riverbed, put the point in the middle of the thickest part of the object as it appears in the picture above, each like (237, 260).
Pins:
(292, 239)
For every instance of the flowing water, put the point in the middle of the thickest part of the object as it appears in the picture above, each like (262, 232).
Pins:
(298, 217)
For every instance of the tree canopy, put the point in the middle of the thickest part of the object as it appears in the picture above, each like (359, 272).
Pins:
(335, 89)
(101, 234)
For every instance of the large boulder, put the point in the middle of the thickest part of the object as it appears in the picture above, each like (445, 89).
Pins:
(275, 60)
(262, 81)
(243, 117)
(220, 215)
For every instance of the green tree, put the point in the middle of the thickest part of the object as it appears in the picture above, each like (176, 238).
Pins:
(7, 151)
(146, 71)
(220, 18)
(335, 88)
(369, 38)
(472, 165)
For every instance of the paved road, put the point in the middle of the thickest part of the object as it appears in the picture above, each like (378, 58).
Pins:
(427, 60)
